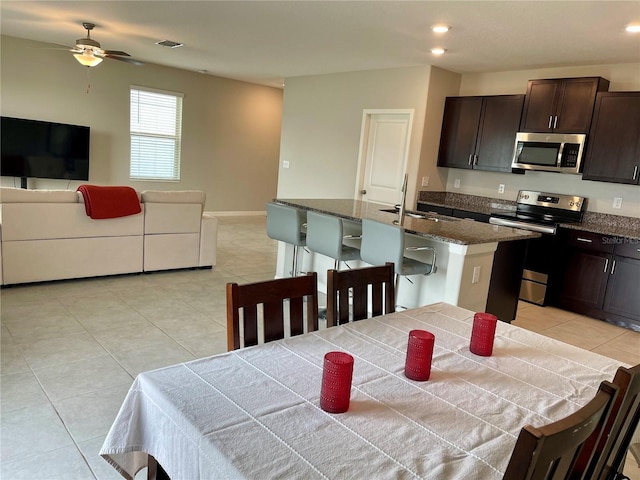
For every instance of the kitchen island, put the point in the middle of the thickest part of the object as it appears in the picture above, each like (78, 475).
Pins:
(465, 251)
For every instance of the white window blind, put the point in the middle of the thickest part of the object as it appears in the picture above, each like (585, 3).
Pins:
(156, 131)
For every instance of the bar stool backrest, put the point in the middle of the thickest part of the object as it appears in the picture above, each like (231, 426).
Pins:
(285, 223)
(382, 243)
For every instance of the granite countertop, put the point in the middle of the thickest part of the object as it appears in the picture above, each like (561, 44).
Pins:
(435, 227)
(605, 224)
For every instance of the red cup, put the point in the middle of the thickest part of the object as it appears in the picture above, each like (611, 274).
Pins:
(419, 353)
(336, 382)
(483, 333)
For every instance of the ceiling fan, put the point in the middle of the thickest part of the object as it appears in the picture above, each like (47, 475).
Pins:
(89, 52)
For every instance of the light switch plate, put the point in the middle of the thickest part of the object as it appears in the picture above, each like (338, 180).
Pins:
(285, 164)
(617, 202)
(476, 274)
(456, 183)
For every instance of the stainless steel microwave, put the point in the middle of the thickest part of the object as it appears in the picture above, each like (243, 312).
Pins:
(549, 152)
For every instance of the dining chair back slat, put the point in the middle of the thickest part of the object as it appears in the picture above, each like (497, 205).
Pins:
(612, 448)
(348, 293)
(280, 299)
(551, 452)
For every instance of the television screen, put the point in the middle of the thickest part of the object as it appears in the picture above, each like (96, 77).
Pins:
(33, 148)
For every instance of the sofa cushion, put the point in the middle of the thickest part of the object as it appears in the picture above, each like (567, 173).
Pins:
(22, 195)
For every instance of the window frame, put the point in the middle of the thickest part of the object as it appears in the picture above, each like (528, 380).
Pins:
(156, 134)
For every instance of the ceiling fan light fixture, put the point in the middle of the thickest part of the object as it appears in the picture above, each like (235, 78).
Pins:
(88, 59)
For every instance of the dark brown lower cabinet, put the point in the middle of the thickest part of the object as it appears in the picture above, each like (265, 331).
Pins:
(622, 299)
(599, 276)
(582, 281)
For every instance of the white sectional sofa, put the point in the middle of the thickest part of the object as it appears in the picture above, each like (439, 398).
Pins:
(177, 232)
(47, 235)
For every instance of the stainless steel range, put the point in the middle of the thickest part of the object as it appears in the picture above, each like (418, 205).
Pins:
(540, 212)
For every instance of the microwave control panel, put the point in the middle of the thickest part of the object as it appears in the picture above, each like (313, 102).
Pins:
(570, 155)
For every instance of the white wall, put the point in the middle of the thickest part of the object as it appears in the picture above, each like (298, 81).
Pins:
(231, 129)
(600, 194)
(322, 118)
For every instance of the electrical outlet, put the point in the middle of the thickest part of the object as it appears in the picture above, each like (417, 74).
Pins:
(617, 202)
(285, 164)
(425, 181)
(456, 184)
(501, 188)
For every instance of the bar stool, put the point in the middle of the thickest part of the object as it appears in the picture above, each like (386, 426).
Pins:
(325, 235)
(286, 224)
(382, 242)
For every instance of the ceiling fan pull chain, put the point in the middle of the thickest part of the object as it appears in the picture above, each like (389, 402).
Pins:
(88, 80)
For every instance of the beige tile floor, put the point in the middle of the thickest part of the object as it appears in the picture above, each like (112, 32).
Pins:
(71, 349)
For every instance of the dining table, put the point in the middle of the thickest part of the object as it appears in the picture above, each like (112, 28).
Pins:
(254, 413)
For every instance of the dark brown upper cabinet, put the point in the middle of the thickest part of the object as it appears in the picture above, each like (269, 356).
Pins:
(479, 132)
(613, 152)
(561, 105)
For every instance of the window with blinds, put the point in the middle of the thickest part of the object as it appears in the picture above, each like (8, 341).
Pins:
(156, 132)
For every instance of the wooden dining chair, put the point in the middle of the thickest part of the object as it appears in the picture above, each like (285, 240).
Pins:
(610, 453)
(550, 452)
(355, 284)
(279, 299)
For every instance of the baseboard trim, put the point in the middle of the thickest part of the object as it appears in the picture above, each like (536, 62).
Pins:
(238, 214)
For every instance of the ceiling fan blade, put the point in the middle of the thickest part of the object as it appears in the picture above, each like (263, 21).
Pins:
(124, 59)
(116, 52)
(57, 46)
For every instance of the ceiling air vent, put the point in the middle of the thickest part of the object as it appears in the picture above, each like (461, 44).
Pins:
(169, 43)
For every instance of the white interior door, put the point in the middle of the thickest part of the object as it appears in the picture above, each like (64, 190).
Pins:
(383, 155)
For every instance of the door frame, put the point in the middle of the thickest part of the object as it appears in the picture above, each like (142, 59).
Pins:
(367, 113)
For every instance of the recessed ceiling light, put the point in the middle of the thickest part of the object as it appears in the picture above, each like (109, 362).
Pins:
(633, 28)
(438, 51)
(440, 28)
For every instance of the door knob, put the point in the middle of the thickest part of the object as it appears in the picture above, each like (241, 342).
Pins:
(363, 192)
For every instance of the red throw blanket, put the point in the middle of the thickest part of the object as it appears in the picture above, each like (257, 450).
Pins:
(109, 202)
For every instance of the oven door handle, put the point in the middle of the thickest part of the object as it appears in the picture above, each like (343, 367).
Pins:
(523, 225)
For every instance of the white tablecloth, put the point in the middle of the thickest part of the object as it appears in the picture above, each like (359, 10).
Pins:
(254, 413)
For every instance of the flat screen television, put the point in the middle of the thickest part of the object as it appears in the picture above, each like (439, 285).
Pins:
(38, 149)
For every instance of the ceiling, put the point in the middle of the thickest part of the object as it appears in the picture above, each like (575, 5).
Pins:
(267, 41)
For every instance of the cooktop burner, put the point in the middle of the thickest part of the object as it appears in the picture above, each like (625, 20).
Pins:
(541, 211)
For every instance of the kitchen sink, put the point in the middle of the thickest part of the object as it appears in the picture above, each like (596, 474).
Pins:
(434, 217)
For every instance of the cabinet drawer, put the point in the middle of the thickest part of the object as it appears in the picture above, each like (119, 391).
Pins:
(628, 247)
(590, 241)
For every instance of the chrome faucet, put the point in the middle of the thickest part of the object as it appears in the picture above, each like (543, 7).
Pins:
(403, 202)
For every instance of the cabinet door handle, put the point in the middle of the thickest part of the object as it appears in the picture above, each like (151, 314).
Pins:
(555, 122)
(606, 265)
(585, 240)
(475, 160)
(550, 120)
(470, 159)
(613, 266)
(635, 172)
